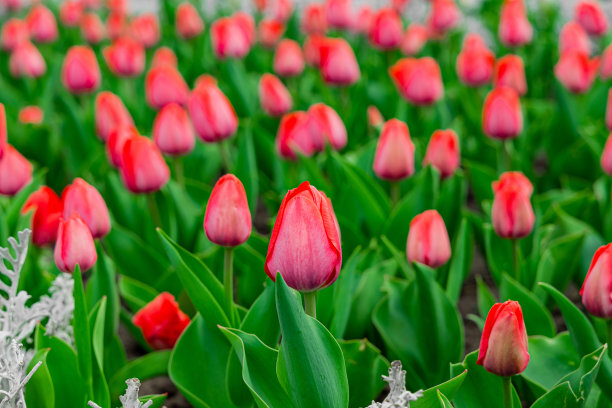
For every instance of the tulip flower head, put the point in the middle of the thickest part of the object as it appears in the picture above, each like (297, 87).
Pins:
(428, 241)
(576, 71)
(92, 28)
(288, 59)
(164, 56)
(512, 212)
(274, 97)
(212, 114)
(414, 39)
(514, 28)
(338, 64)
(608, 111)
(32, 115)
(164, 85)
(590, 15)
(74, 245)
(3, 132)
(394, 158)
(386, 30)
(188, 22)
(502, 117)
(314, 19)
(375, 118)
(418, 80)
(339, 13)
(47, 208)
(269, 32)
(597, 287)
(279, 10)
(110, 113)
(41, 24)
(293, 136)
(606, 157)
(513, 178)
(228, 39)
(85, 200)
(443, 16)
(443, 152)
(80, 71)
(116, 25)
(14, 32)
(125, 57)
(15, 171)
(246, 23)
(145, 29)
(70, 12)
(574, 37)
(326, 126)
(510, 72)
(116, 140)
(172, 130)
(26, 61)
(475, 61)
(161, 321)
(143, 169)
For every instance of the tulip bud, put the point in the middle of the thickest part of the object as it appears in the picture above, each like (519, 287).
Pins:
(14, 32)
(606, 156)
(575, 71)
(293, 136)
(513, 178)
(32, 115)
(375, 118)
(314, 19)
(188, 22)
(143, 169)
(514, 28)
(74, 245)
(573, 37)
(3, 132)
(172, 130)
(363, 20)
(288, 59)
(312, 49)
(70, 12)
(386, 29)
(503, 346)
(510, 72)
(164, 56)
(92, 28)
(512, 212)
(443, 152)
(117, 6)
(605, 66)
(161, 321)
(145, 29)
(15, 171)
(428, 241)
(414, 39)
(116, 25)
(228, 39)
(608, 111)
(597, 287)
(590, 15)
(110, 113)
(443, 16)
(41, 24)
(85, 200)
(80, 71)
(502, 117)
(338, 63)
(339, 13)
(164, 85)
(394, 159)
(212, 114)
(305, 243)
(475, 61)
(326, 126)
(419, 81)
(47, 212)
(116, 140)
(274, 97)
(26, 61)
(228, 220)
(246, 23)
(125, 57)
(269, 32)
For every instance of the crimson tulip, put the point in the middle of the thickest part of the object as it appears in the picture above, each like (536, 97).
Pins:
(74, 245)
(47, 208)
(92, 28)
(590, 15)
(164, 85)
(14, 32)
(394, 158)
(510, 72)
(145, 29)
(443, 152)
(143, 169)
(32, 115)
(212, 114)
(418, 80)
(512, 212)
(574, 37)
(414, 39)
(80, 71)
(576, 71)
(502, 117)
(172, 130)
(162, 322)
(274, 97)
(288, 59)
(596, 290)
(386, 29)
(326, 126)
(314, 19)
(116, 140)
(125, 57)
(85, 200)
(428, 241)
(110, 113)
(41, 24)
(269, 32)
(514, 28)
(338, 63)
(293, 136)
(27, 61)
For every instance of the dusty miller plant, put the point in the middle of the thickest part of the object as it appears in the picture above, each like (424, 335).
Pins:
(398, 396)
(130, 399)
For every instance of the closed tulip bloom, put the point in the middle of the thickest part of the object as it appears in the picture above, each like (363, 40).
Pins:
(326, 126)
(386, 29)
(288, 59)
(375, 118)
(338, 63)
(274, 97)
(513, 178)
(503, 346)
(512, 212)
(92, 28)
(14, 32)
(293, 136)
(312, 49)
(339, 13)
(573, 37)
(172, 130)
(145, 29)
(363, 20)
(116, 25)
(32, 115)
(15, 171)
(164, 56)
(227, 221)
(510, 72)
(3, 132)
(597, 287)
(514, 27)
(228, 39)
(305, 243)
(443, 152)
(606, 157)
(428, 241)
(279, 10)
(414, 39)
(125, 57)
(443, 16)
(41, 24)
(419, 81)
(116, 141)
(188, 22)
(143, 169)
(110, 113)
(82, 198)
(608, 111)
(117, 6)
(605, 63)
(70, 12)
(164, 85)
(475, 61)
(80, 71)
(502, 117)
(590, 15)
(26, 61)
(212, 114)
(246, 23)
(394, 159)
(314, 19)
(576, 71)
(74, 245)
(161, 321)
(47, 208)
(269, 32)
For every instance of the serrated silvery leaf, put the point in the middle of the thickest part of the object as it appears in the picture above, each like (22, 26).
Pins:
(398, 396)
(130, 399)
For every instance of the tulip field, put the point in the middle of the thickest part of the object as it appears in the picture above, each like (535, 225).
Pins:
(322, 204)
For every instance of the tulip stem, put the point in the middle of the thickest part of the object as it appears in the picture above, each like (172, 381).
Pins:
(515, 259)
(395, 193)
(507, 381)
(228, 274)
(310, 304)
(179, 172)
(154, 210)
(225, 157)
(610, 338)
(507, 157)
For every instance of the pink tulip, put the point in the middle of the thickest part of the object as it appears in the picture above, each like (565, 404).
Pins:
(419, 81)
(164, 56)
(279, 10)
(116, 25)
(288, 59)
(608, 111)
(606, 156)
(15, 171)
(47, 208)
(31, 115)
(70, 12)
(510, 72)
(110, 113)
(414, 39)
(116, 140)
(188, 22)
(143, 169)
(162, 322)
(172, 130)
(125, 57)
(338, 63)
(80, 71)
(576, 71)
(475, 61)
(14, 32)
(164, 85)
(597, 287)
(375, 118)
(274, 97)
(246, 23)
(515, 179)
(117, 6)
(26, 61)
(293, 136)
(386, 29)
(314, 19)
(573, 37)
(428, 241)
(41, 24)
(605, 69)
(326, 126)
(312, 49)
(502, 117)
(394, 159)
(270, 32)
(145, 29)
(512, 212)
(228, 39)
(74, 245)
(443, 17)
(514, 27)
(3, 132)
(92, 28)
(339, 13)
(590, 15)
(443, 152)
(85, 200)
(212, 114)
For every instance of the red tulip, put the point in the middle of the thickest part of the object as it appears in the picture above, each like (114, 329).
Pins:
(338, 63)
(514, 178)
(274, 97)
(443, 152)
(288, 59)
(143, 169)
(375, 118)
(269, 32)
(443, 16)
(514, 28)
(503, 346)
(605, 65)
(188, 22)
(15, 171)
(314, 19)
(80, 71)
(326, 126)
(512, 212)
(41, 24)
(164, 85)
(305, 243)
(117, 6)
(161, 321)
(339, 13)
(172, 130)
(428, 241)
(31, 115)
(228, 39)
(502, 117)
(70, 12)
(312, 49)
(125, 57)
(394, 159)
(576, 71)
(573, 37)
(14, 32)
(279, 10)
(26, 61)
(475, 61)
(419, 81)
(228, 220)
(293, 136)
(590, 15)
(145, 29)
(85, 200)
(116, 25)
(92, 28)
(597, 287)
(110, 113)
(414, 39)
(363, 20)
(386, 29)
(164, 56)
(510, 72)
(3, 132)
(47, 208)
(246, 23)
(212, 113)
(116, 140)
(74, 245)
(608, 111)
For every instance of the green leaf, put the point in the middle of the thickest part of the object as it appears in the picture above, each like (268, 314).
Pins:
(82, 337)
(461, 261)
(364, 368)
(261, 319)
(499, 254)
(158, 400)
(135, 293)
(444, 402)
(485, 297)
(449, 388)
(150, 365)
(246, 166)
(559, 262)
(102, 283)
(96, 323)
(310, 366)
(39, 390)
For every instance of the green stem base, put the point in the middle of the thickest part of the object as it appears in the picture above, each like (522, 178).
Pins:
(507, 381)
(228, 274)
(310, 304)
